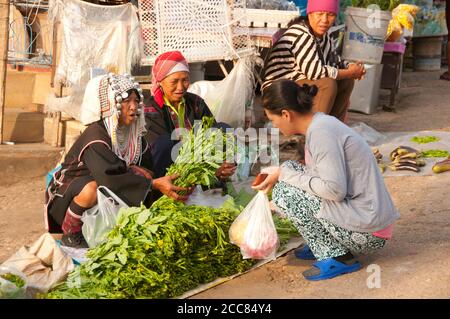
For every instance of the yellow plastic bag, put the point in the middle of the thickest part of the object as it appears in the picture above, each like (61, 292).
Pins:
(395, 31)
(402, 17)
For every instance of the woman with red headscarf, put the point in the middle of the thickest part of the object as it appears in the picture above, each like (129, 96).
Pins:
(172, 107)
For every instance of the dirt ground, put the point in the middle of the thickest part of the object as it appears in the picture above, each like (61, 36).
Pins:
(413, 265)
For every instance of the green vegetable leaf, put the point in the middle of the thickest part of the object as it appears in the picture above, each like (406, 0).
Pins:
(111, 256)
(435, 153)
(424, 139)
(152, 228)
(142, 218)
(122, 257)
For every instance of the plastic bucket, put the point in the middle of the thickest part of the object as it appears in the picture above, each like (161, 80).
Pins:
(365, 34)
(301, 5)
(427, 52)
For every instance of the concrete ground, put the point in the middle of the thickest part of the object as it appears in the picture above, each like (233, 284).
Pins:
(413, 265)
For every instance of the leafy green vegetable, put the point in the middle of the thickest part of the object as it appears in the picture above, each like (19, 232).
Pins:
(241, 198)
(424, 139)
(285, 229)
(176, 249)
(201, 155)
(435, 153)
(19, 282)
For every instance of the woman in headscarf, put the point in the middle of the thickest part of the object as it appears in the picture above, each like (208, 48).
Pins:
(111, 152)
(172, 107)
(304, 53)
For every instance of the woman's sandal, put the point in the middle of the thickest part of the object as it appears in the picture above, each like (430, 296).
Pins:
(445, 76)
(330, 268)
(304, 252)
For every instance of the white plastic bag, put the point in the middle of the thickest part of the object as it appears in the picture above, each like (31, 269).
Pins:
(254, 230)
(101, 218)
(9, 289)
(228, 99)
(43, 263)
(210, 198)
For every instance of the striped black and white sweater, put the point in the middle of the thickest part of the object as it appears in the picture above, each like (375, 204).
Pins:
(299, 55)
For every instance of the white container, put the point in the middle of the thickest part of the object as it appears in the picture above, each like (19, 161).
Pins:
(365, 34)
(266, 18)
(365, 95)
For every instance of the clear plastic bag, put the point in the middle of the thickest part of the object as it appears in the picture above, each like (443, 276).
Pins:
(254, 230)
(228, 99)
(44, 264)
(9, 287)
(210, 198)
(101, 218)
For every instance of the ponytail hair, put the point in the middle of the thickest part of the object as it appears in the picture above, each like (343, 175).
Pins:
(288, 95)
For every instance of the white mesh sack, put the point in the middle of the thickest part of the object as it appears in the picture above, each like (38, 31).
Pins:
(203, 30)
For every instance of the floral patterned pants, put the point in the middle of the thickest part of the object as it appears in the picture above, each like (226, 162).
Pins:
(325, 239)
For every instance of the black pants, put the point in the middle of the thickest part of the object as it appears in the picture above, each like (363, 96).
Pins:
(59, 205)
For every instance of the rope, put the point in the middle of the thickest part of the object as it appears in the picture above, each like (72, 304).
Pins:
(367, 34)
(35, 14)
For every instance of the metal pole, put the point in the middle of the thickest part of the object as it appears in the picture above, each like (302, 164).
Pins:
(4, 36)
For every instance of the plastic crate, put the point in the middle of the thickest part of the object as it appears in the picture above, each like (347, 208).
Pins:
(203, 30)
(260, 18)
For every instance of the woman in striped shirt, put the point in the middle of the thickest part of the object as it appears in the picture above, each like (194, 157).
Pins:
(305, 54)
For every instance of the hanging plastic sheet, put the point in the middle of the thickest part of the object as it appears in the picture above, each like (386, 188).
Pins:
(93, 36)
(228, 99)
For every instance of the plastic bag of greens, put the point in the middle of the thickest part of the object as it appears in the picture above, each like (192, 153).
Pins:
(101, 218)
(13, 283)
(254, 230)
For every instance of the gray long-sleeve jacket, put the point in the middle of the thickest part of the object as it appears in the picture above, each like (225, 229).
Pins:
(343, 172)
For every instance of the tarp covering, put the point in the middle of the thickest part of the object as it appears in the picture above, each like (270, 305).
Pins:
(94, 36)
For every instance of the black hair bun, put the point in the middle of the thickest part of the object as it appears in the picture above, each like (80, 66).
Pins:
(311, 90)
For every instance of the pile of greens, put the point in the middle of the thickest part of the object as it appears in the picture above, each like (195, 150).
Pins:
(160, 252)
(424, 139)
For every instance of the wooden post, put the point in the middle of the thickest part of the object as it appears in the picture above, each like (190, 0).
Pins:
(54, 52)
(4, 36)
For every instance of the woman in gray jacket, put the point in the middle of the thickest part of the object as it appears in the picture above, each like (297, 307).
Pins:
(338, 201)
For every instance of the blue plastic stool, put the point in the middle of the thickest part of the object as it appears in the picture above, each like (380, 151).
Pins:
(49, 176)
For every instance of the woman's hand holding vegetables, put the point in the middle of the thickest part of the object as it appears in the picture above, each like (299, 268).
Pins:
(269, 182)
(165, 185)
(226, 170)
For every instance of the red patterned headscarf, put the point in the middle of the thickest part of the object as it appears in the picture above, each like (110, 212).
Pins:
(166, 64)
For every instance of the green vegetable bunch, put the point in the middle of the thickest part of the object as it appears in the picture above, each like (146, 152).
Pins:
(201, 154)
(385, 5)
